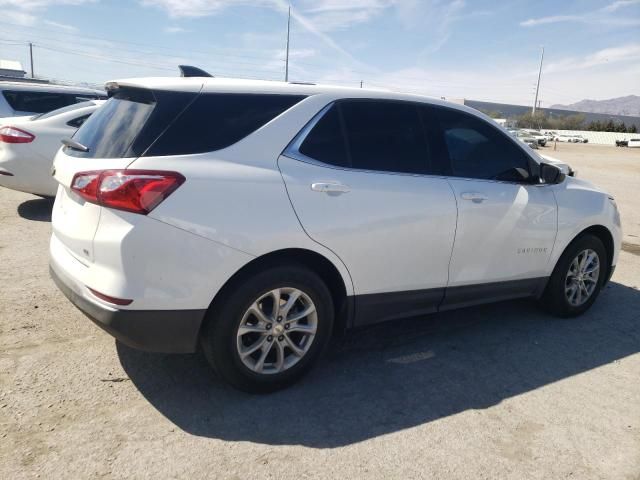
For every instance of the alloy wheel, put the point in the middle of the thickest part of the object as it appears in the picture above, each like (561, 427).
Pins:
(277, 330)
(582, 277)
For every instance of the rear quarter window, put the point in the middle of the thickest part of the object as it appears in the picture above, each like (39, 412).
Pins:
(218, 120)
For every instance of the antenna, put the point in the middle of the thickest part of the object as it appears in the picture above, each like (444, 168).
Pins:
(286, 65)
(535, 102)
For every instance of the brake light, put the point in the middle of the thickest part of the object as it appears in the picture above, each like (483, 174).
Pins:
(137, 191)
(15, 135)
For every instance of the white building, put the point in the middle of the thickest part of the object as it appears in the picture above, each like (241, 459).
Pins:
(11, 68)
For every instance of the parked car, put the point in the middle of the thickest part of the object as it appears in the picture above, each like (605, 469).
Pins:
(622, 143)
(550, 135)
(580, 139)
(24, 98)
(28, 145)
(256, 218)
(525, 138)
(567, 138)
(634, 143)
(537, 135)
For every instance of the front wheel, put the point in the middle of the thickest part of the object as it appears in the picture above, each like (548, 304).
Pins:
(578, 277)
(270, 330)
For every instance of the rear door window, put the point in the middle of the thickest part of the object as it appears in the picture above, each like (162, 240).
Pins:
(385, 136)
(326, 142)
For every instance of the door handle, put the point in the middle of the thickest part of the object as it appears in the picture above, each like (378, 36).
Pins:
(475, 197)
(330, 187)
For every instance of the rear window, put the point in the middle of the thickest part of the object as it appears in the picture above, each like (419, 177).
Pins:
(127, 124)
(140, 122)
(53, 113)
(42, 102)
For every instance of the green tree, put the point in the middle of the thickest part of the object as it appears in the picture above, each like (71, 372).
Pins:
(632, 129)
(610, 126)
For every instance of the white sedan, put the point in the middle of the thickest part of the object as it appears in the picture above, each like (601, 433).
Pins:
(28, 145)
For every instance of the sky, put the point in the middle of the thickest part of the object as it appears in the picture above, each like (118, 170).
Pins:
(476, 49)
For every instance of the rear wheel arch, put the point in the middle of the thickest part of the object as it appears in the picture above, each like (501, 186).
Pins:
(314, 261)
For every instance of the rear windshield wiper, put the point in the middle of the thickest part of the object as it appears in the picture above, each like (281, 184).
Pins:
(75, 145)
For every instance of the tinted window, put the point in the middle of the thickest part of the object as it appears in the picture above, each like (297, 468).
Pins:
(128, 123)
(69, 108)
(77, 122)
(216, 120)
(325, 141)
(41, 102)
(479, 150)
(385, 136)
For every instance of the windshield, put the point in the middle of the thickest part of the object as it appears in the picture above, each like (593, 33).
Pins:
(69, 108)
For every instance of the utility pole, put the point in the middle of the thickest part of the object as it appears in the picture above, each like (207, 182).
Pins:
(360, 83)
(31, 57)
(286, 65)
(535, 103)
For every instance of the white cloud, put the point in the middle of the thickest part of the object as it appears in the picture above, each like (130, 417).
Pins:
(61, 26)
(19, 18)
(336, 14)
(612, 7)
(628, 54)
(601, 16)
(175, 30)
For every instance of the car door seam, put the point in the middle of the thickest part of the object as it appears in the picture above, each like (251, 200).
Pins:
(453, 244)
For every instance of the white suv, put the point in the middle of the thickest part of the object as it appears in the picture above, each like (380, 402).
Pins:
(255, 218)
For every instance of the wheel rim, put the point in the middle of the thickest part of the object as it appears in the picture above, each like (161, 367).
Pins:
(582, 277)
(277, 331)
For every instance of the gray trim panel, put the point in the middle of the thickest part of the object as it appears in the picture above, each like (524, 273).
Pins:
(167, 331)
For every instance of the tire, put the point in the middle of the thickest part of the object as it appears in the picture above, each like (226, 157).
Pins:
(281, 365)
(560, 297)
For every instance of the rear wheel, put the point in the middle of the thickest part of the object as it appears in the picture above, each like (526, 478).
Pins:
(578, 277)
(270, 330)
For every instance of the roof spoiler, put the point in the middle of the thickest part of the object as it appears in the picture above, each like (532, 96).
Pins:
(189, 71)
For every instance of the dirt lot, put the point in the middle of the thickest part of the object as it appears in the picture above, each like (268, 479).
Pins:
(500, 391)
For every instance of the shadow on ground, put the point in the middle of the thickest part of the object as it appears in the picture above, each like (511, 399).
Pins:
(38, 209)
(399, 375)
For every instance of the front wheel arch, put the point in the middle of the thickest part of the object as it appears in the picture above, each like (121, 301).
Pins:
(605, 236)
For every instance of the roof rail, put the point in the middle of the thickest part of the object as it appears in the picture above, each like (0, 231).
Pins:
(190, 71)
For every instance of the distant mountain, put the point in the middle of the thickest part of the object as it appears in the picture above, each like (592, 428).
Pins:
(629, 105)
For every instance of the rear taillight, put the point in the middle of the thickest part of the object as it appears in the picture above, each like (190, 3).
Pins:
(137, 191)
(15, 135)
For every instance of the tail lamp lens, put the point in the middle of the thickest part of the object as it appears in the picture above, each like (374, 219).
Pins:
(137, 191)
(15, 135)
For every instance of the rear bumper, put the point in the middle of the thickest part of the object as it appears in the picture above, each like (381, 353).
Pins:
(167, 331)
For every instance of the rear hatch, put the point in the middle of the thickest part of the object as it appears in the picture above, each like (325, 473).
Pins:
(112, 138)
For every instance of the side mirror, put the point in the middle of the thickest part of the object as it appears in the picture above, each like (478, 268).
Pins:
(551, 174)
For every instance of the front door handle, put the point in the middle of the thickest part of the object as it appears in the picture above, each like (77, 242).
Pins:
(330, 187)
(475, 197)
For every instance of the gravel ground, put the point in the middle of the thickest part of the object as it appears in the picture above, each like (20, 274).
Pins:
(499, 391)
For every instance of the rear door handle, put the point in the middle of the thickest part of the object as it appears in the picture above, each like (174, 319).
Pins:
(330, 187)
(475, 197)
